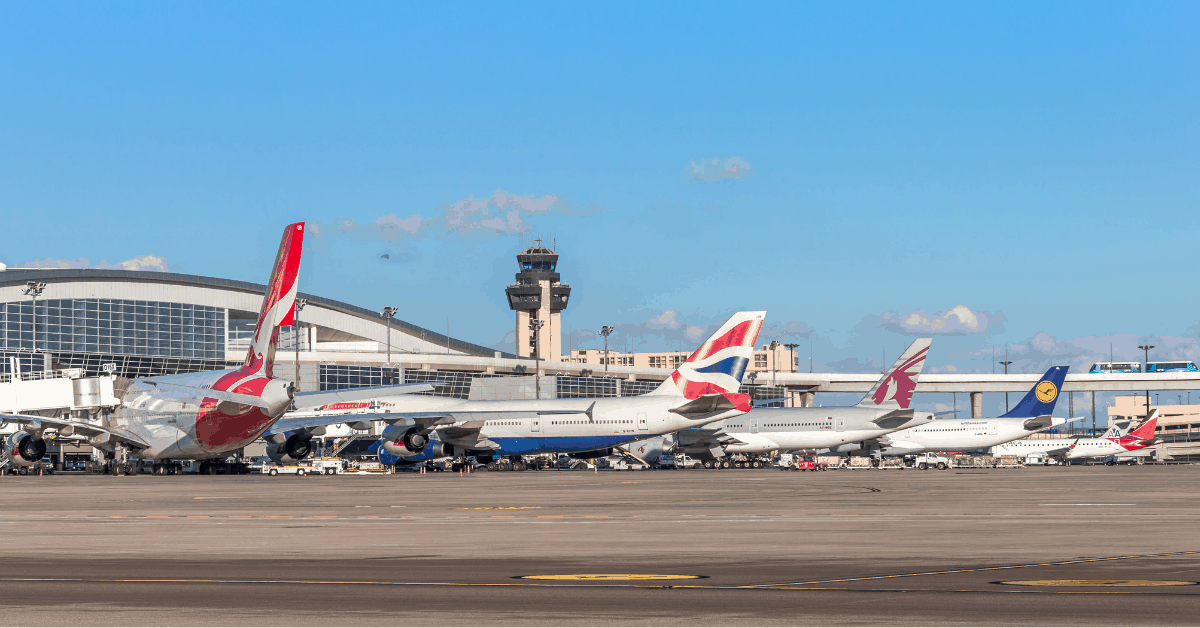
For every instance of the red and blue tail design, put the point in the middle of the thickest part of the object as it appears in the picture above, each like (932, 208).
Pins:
(718, 365)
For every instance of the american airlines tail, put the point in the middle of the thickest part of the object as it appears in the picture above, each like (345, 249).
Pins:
(279, 303)
(894, 390)
(1039, 401)
(718, 365)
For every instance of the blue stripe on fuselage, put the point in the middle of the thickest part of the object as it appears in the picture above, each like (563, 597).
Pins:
(519, 445)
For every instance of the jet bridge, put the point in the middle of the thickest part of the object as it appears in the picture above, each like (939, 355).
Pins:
(56, 391)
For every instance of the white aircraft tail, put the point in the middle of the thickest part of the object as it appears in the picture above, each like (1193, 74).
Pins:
(894, 390)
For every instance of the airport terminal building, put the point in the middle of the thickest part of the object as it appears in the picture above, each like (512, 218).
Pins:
(144, 323)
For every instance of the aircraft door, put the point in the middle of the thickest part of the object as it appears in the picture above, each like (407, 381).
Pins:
(839, 424)
(642, 424)
(991, 428)
(753, 426)
(536, 423)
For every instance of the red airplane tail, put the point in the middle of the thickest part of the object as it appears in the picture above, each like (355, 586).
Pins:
(279, 303)
(1145, 431)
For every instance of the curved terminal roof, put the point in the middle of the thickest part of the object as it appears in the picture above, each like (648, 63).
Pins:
(339, 321)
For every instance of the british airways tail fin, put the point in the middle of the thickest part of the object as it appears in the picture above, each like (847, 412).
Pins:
(894, 390)
(279, 303)
(1040, 399)
(718, 365)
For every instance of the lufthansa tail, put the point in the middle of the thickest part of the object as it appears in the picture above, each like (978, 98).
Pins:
(717, 367)
(1039, 401)
(894, 390)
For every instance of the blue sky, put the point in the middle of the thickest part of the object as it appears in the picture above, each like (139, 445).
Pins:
(842, 165)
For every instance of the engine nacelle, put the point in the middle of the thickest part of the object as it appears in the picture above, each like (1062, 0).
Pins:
(409, 444)
(297, 447)
(846, 448)
(25, 450)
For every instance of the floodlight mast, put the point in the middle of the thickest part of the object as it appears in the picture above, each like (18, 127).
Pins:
(388, 313)
(535, 325)
(300, 303)
(34, 290)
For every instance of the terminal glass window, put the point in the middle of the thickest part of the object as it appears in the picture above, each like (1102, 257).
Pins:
(115, 326)
(569, 387)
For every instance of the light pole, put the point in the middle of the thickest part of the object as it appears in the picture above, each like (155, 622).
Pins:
(774, 363)
(34, 290)
(605, 330)
(1147, 347)
(300, 303)
(791, 347)
(536, 325)
(387, 314)
(1006, 362)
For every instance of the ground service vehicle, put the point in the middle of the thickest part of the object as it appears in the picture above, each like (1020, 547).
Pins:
(809, 462)
(931, 461)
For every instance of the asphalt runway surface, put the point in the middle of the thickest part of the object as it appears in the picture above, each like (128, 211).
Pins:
(1053, 546)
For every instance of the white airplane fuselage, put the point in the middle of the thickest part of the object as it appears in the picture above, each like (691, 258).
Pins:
(550, 425)
(959, 435)
(179, 422)
(791, 429)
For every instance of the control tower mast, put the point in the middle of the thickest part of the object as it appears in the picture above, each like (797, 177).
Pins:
(538, 295)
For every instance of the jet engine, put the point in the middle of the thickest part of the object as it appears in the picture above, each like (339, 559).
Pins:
(25, 450)
(297, 447)
(407, 445)
(846, 448)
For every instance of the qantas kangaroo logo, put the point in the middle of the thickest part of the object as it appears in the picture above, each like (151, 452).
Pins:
(901, 382)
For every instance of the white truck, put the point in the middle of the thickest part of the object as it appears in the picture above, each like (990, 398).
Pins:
(931, 461)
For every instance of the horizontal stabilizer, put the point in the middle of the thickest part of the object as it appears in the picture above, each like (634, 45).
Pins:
(219, 395)
(712, 404)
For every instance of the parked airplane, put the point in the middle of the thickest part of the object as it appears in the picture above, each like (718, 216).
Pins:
(1031, 415)
(702, 390)
(195, 416)
(884, 409)
(1118, 440)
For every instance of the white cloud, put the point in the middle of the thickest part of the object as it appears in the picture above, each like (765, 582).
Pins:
(143, 262)
(959, 320)
(717, 169)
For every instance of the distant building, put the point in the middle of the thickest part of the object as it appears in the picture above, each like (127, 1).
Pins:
(1172, 419)
(766, 360)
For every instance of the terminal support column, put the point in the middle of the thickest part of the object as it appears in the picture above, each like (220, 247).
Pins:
(976, 405)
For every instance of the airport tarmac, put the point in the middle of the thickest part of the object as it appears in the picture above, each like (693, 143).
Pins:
(737, 547)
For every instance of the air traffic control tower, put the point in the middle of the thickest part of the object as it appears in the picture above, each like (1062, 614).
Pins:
(538, 295)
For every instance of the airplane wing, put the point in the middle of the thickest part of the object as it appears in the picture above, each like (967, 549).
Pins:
(467, 435)
(894, 419)
(320, 398)
(97, 435)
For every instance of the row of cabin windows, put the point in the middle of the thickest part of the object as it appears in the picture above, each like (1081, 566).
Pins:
(610, 422)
